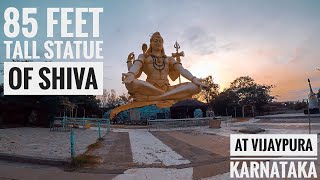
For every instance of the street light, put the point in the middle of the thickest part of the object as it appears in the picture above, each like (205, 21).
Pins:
(308, 115)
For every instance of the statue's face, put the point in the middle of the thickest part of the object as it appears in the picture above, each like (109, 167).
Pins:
(157, 43)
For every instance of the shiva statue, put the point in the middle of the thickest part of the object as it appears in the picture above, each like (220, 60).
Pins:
(157, 66)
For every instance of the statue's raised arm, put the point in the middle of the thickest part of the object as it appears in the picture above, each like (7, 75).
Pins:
(134, 68)
(186, 74)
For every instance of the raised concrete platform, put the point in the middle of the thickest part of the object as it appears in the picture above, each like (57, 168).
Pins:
(288, 116)
(178, 123)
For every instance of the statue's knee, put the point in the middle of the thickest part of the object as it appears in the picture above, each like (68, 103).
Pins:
(132, 86)
(195, 89)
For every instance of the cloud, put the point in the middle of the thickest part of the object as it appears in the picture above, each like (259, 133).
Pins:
(228, 46)
(288, 73)
(199, 40)
(267, 65)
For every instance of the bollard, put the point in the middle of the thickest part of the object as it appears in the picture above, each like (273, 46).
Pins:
(72, 143)
(63, 122)
(108, 125)
(99, 129)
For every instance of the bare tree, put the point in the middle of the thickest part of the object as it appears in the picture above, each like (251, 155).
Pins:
(103, 98)
(110, 99)
(124, 98)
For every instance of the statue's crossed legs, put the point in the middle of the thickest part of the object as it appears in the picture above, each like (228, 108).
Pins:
(144, 91)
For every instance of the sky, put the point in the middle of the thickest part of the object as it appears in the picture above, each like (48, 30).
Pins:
(274, 42)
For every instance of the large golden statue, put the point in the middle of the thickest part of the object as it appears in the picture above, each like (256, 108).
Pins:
(156, 89)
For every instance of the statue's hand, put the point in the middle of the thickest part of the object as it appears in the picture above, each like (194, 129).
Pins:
(199, 83)
(127, 77)
(130, 56)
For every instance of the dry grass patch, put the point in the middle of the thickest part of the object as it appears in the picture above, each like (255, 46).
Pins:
(84, 159)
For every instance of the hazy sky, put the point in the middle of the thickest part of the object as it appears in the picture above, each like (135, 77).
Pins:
(273, 41)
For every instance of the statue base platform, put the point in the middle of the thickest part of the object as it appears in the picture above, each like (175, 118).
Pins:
(138, 105)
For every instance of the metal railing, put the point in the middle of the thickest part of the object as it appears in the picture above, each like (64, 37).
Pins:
(159, 124)
(186, 123)
(66, 123)
(226, 119)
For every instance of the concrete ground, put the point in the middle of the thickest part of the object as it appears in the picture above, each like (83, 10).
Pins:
(43, 143)
(200, 153)
(12, 170)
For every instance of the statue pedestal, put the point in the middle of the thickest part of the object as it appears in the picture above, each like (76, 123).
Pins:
(135, 105)
(138, 115)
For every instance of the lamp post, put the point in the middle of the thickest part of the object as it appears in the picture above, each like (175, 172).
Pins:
(252, 109)
(243, 110)
(308, 115)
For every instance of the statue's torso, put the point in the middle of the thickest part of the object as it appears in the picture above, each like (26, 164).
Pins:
(156, 70)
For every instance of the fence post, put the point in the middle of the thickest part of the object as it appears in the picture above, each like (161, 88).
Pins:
(108, 125)
(63, 122)
(72, 143)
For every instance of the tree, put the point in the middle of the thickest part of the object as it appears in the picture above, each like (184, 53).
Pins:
(110, 99)
(318, 94)
(300, 105)
(103, 98)
(243, 91)
(88, 103)
(207, 94)
(124, 98)
(241, 82)
(225, 102)
(251, 93)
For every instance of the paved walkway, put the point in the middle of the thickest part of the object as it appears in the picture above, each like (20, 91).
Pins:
(177, 155)
(147, 149)
(209, 154)
(139, 154)
(115, 152)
